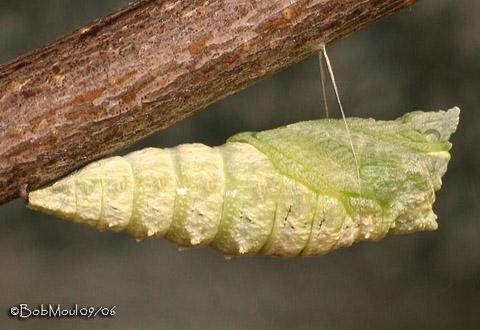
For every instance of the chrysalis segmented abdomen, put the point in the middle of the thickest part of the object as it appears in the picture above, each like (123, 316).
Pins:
(286, 192)
(229, 197)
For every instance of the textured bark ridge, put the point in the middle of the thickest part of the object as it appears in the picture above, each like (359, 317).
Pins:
(142, 69)
(292, 191)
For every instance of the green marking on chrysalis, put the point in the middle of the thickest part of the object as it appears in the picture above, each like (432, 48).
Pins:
(285, 192)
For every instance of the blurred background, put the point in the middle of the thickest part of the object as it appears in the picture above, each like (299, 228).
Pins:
(425, 58)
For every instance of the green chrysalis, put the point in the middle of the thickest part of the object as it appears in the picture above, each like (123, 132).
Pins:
(290, 191)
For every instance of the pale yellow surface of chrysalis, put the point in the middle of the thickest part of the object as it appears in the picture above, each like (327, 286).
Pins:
(293, 191)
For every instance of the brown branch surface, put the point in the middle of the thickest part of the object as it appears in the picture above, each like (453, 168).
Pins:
(142, 69)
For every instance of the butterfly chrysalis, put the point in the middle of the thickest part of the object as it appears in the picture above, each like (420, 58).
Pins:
(290, 191)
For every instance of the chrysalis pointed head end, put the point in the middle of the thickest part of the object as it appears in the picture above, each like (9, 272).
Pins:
(443, 123)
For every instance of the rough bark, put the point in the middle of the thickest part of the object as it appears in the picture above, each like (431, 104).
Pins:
(142, 69)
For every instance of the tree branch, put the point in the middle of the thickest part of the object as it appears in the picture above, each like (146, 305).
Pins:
(142, 69)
